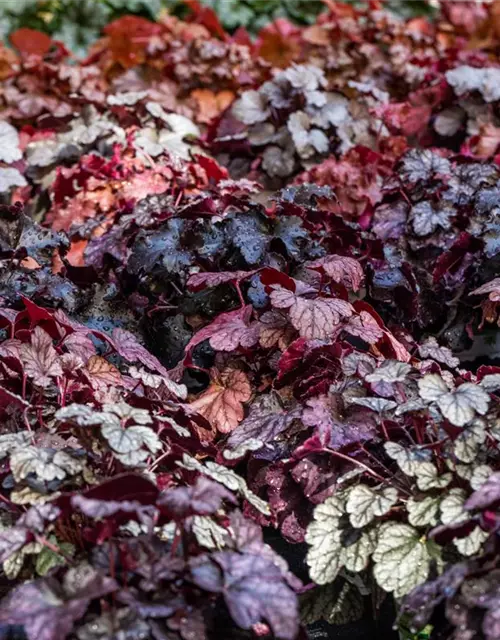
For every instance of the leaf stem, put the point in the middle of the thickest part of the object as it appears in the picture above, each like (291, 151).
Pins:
(374, 474)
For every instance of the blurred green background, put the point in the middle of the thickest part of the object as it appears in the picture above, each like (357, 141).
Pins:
(79, 22)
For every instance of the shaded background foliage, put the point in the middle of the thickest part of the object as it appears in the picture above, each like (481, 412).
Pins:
(79, 22)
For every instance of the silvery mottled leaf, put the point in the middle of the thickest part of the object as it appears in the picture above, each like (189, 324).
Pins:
(9, 143)
(448, 121)
(277, 162)
(324, 557)
(125, 412)
(305, 77)
(364, 503)
(208, 533)
(375, 404)
(486, 80)
(480, 475)
(428, 478)
(409, 460)
(431, 349)
(466, 445)
(11, 177)
(128, 98)
(80, 414)
(426, 218)
(471, 544)
(452, 507)
(13, 565)
(226, 477)
(336, 603)
(251, 107)
(458, 406)
(401, 559)
(12, 539)
(356, 556)
(307, 140)
(420, 165)
(412, 405)
(129, 440)
(490, 382)
(389, 371)
(11, 441)
(422, 513)
(46, 464)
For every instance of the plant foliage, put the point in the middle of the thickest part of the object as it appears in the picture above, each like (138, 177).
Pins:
(245, 288)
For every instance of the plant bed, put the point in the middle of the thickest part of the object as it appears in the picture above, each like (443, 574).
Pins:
(249, 375)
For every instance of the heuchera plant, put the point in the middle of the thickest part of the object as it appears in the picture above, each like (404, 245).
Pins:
(230, 411)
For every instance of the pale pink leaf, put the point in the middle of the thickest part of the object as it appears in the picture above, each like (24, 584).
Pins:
(222, 403)
(341, 269)
(40, 359)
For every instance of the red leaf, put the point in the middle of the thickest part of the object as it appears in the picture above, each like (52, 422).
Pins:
(30, 42)
(227, 332)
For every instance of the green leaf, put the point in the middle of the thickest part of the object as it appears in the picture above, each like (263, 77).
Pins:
(336, 603)
(48, 559)
(428, 478)
(323, 535)
(402, 558)
(364, 503)
(422, 513)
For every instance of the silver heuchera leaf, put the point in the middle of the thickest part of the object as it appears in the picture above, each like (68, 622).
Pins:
(423, 513)
(471, 544)
(491, 382)
(408, 460)
(375, 404)
(401, 559)
(324, 557)
(356, 556)
(226, 477)
(431, 349)
(337, 603)
(364, 503)
(480, 475)
(46, 464)
(428, 477)
(80, 414)
(452, 507)
(465, 79)
(390, 371)
(208, 533)
(466, 445)
(425, 218)
(11, 441)
(458, 406)
(251, 108)
(9, 143)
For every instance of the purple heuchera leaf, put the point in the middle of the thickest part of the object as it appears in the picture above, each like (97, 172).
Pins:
(48, 610)
(488, 495)
(204, 498)
(253, 589)
(267, 419)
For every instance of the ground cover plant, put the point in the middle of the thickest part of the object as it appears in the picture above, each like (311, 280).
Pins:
(249, 356)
